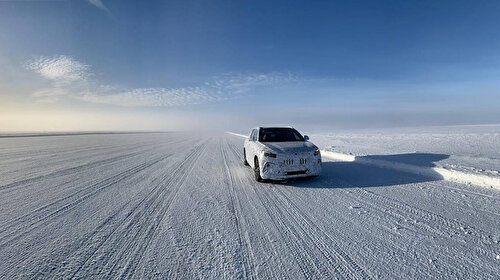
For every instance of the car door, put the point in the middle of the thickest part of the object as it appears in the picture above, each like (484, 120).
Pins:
(247, 146)
(256, 145)
(251, 147)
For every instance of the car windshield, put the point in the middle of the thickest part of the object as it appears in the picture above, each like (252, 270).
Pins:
(279, 135)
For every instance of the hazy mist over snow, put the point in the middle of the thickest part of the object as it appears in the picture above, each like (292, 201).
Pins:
(226, 65)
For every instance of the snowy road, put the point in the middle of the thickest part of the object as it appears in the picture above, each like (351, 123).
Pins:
(179, 205)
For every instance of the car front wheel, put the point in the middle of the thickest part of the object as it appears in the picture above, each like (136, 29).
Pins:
(256, 170)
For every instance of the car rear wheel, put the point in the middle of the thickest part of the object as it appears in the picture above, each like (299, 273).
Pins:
(245, 162)
(256, 170)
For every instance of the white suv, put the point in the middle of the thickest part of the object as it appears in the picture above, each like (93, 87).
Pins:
(278, 153)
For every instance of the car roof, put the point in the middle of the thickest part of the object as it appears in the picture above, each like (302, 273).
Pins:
(273, 127)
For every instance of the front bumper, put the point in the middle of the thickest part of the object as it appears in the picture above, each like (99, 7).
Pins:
(290, 166)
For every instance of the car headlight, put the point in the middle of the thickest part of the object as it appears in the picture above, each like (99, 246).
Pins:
(268, 154)
(316, 152)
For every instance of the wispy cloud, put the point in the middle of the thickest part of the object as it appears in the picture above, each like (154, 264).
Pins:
(99, 4)
(75, 79)
(155, 97)
(66, 75)
(48, 95)
(60, 68)
(241, 83)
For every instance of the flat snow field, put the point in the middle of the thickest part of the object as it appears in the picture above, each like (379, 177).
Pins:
(180, 205)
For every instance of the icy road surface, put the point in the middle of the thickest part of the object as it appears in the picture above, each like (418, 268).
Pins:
(178, 205)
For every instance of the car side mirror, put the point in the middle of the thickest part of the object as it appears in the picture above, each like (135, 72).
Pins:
(306, 137)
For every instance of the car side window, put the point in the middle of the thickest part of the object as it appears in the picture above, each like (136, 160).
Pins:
(255, 133)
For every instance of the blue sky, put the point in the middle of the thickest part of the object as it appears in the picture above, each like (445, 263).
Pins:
(93, 65)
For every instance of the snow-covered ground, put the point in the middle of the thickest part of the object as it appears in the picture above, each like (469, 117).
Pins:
(181, 205)
(472, 149)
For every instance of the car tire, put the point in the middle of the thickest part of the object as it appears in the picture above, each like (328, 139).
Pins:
(245, 162)
(256, 170)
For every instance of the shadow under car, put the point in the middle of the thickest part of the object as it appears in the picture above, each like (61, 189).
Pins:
(359, 173)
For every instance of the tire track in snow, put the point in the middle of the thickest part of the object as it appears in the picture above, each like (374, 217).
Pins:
(306, 262)
(130, 237)
(82, 167)
(17, 228)
(185, 171)
(345, 265)
(436, 225)
(47, 210)
(341, 265)
(256, 222)
(73, 169)
(461, 191)
(12, 157)
(59, 212)
(469, 192)
(457, 227)
(40, 212)
(79, 251)
(303, 250)
(67, 171)
(341, 226)
(246, 259)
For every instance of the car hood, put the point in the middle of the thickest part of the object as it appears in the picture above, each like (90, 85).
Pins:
(290, 147)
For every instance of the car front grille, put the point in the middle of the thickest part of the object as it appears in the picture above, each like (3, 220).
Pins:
(291, 161)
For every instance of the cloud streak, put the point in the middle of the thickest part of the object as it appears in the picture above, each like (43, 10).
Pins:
(74, 79)
(99, 4)
(155, 97)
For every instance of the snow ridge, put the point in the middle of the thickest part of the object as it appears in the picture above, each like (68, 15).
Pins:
(237, 134)
(447, 174)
